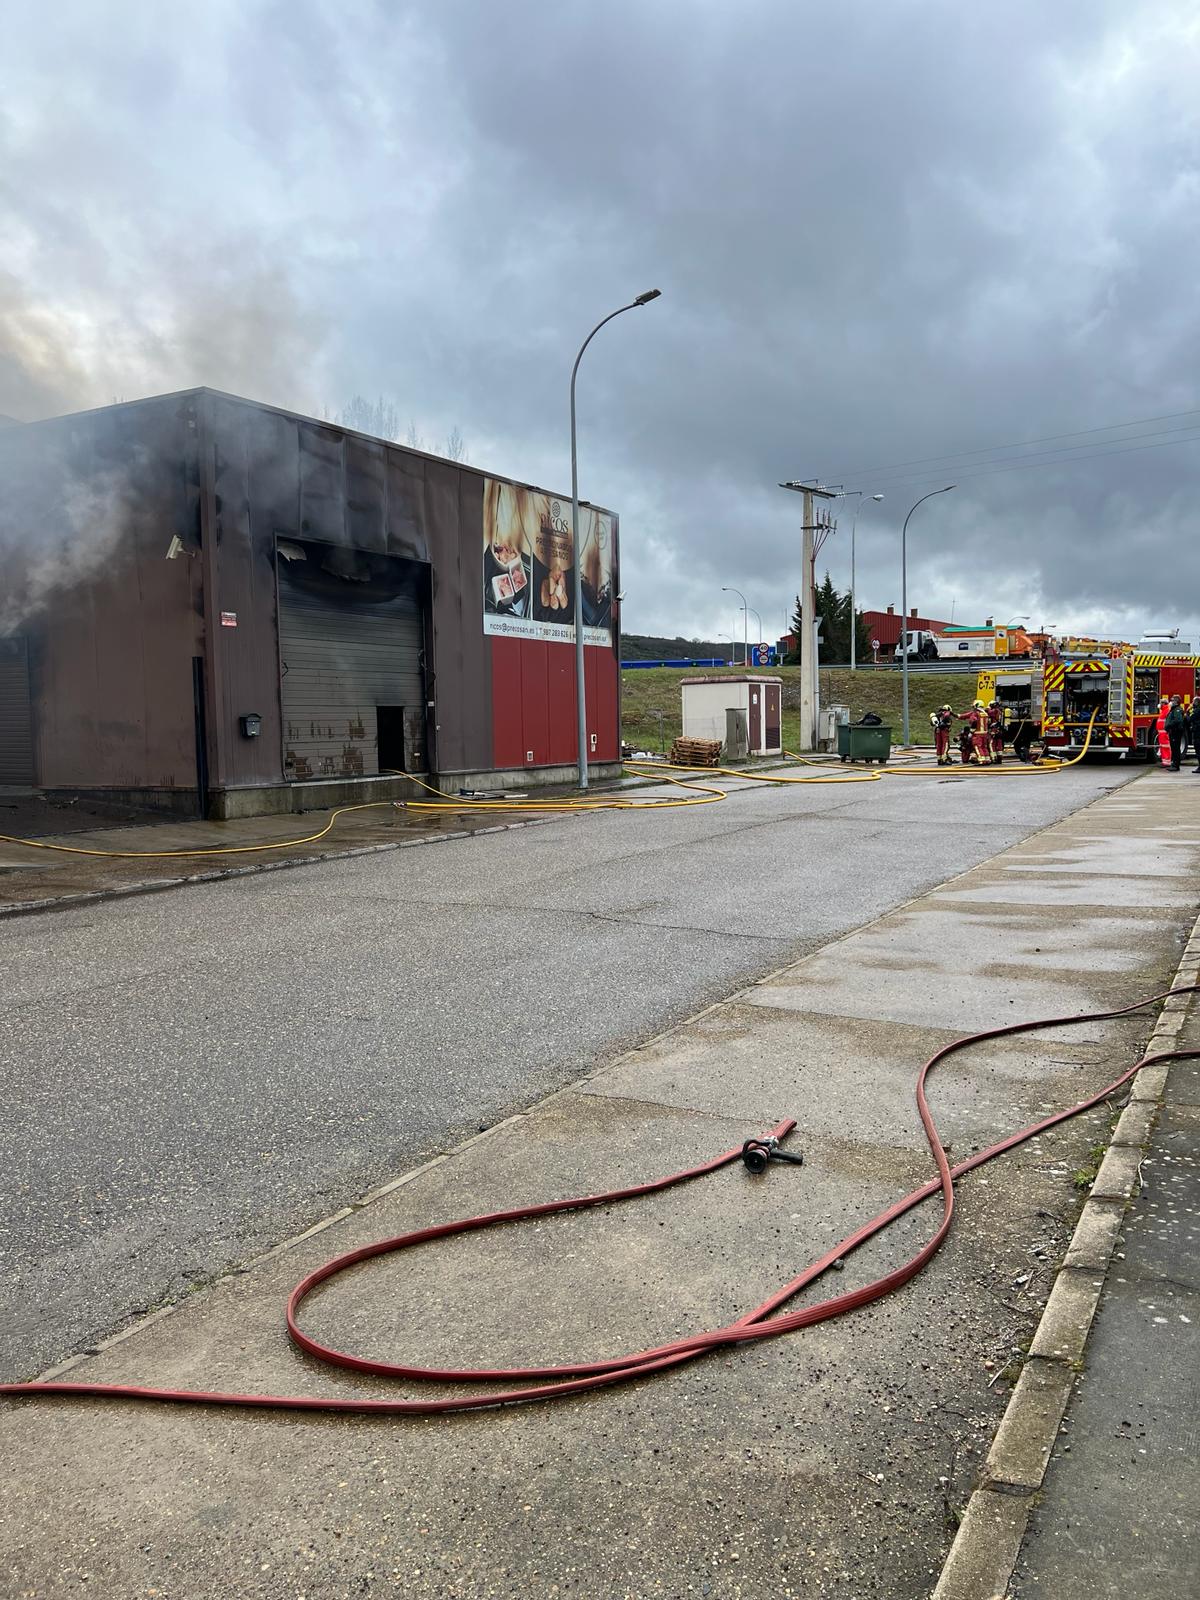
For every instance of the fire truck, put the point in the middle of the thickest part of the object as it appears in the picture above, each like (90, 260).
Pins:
(1124, 685)
(1156, 677)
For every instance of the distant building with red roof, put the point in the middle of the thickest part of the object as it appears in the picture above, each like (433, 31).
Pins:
(884, 626)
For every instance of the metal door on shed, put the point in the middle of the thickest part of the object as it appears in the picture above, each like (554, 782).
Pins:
(16, 726)
(345, 654)
(772, 719)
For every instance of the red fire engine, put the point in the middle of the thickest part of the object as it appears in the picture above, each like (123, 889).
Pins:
(1122, 685)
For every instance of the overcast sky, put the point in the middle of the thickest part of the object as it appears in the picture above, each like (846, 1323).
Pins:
(884, 232)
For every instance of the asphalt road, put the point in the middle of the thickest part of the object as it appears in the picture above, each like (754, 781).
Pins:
(191, 1077)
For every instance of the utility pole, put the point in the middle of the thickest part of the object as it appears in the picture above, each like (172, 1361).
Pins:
(810, 683)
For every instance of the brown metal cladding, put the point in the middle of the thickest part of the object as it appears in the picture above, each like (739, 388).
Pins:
(278, 475)
(111, 658)
(111, 654)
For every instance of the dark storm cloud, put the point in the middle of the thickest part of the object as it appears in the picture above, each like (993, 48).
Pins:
(883, 232)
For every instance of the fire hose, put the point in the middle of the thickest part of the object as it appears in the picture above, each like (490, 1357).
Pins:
(697, 794)
(765, 1321)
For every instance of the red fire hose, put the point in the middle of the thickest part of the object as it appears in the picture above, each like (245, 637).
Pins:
(572, 1378)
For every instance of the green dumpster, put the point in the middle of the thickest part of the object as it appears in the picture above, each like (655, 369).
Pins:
(856, 743)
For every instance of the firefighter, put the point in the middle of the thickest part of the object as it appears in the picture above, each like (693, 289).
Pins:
(995, 728)
(940, 721)
(1023, 739)
(976, 721)
(1174, 724)
(965, 747)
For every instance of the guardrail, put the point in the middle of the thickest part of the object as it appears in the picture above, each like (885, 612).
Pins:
(967, 664)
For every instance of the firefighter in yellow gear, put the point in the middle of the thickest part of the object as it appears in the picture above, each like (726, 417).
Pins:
(976, 720)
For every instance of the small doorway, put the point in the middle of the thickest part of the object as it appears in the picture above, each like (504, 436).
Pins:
(392, 755)
(401, 738)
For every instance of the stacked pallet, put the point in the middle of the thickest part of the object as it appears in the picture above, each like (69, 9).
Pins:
(696, 752)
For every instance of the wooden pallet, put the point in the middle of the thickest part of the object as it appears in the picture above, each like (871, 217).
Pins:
(696, 752)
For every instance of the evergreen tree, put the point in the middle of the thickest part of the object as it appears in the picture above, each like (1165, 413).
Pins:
(793, 657)
(833, 608)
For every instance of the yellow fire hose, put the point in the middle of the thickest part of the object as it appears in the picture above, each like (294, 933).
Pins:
(699, 794)
(991, 770)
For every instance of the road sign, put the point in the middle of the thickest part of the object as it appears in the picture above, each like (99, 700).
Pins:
(874, 644)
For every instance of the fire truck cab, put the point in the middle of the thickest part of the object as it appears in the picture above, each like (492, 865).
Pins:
(1156, 677)
(1061, 696)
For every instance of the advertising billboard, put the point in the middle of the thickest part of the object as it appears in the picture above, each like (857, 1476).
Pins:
(528, 570)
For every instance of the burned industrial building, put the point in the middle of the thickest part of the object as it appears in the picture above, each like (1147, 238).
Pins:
(221, 608)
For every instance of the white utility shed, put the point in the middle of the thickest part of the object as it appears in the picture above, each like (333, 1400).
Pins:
(706, 701)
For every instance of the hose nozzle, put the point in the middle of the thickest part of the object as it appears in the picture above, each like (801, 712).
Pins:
(757, 1152)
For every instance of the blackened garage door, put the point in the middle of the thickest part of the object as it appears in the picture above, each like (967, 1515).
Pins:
(16, 728)
(350, 658)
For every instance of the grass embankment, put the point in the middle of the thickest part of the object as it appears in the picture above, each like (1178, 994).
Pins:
(651, 706)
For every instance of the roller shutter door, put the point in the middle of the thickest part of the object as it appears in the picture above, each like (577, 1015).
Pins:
(16, 725)
(342, 658)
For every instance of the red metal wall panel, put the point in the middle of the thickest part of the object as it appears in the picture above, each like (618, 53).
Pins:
(507, 704)
(603, 685)
(533, 703)
(563, 745)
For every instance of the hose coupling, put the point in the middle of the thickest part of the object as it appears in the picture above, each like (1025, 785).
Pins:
(757, 1152)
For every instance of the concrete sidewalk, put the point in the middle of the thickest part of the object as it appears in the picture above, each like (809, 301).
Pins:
(1119, 1513)
(835, 1461)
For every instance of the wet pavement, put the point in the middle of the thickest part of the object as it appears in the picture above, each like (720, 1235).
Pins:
(1119, 1512)
(834, 1461)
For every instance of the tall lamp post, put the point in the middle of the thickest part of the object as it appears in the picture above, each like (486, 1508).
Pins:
(905, 632)
(728, 588)
(853, 611)
(580, 678)
(758, 619)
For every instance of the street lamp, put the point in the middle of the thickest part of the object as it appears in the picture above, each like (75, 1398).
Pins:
(905, 631)
(580, 680)
(1012, 621)
(728, 588)
(846, 493)
(758, 619)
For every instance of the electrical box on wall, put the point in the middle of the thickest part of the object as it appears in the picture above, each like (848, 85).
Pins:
(251, 725)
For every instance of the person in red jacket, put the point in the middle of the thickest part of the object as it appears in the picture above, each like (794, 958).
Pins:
(995, 725)
(976, 721)
(941, 721)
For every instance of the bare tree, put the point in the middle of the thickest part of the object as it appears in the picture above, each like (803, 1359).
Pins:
(379, 417)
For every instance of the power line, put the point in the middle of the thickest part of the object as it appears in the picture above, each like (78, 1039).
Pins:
(1042, 458)
(1050, 438)
(1013, 466)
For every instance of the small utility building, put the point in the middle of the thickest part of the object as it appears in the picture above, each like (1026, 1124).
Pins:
(222, 608)
(745, 714)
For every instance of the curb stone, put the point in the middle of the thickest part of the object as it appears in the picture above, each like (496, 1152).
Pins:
(983, 1555)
